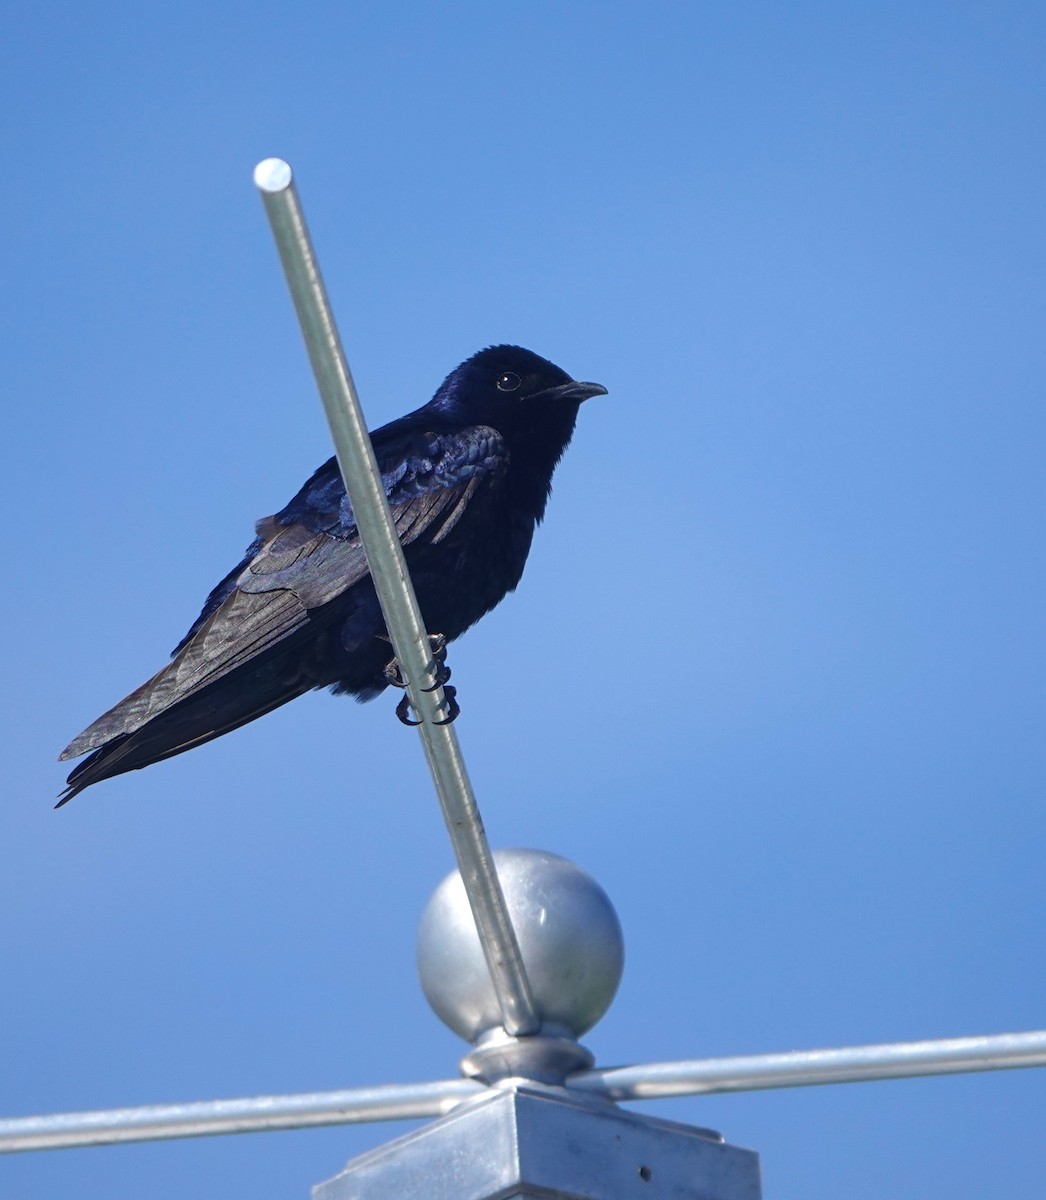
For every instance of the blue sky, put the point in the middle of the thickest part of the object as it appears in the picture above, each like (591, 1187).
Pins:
(774, 675)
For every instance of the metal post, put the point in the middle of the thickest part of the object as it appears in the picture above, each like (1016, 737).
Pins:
(396, 594)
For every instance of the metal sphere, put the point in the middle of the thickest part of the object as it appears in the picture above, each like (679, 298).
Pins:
(568, 934)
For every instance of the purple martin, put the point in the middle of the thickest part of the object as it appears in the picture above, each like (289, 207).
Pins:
(467, 477)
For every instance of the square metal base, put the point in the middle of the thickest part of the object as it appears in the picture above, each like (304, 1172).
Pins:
(544, 1144)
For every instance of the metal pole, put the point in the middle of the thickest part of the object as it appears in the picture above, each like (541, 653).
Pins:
(396, 594)
(801, 1068)
(391, 1102)
(647, 1081)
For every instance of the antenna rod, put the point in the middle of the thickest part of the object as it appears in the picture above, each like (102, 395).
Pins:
(804, 1068)
(254, 1114)
(646, 1081)
(399, 605)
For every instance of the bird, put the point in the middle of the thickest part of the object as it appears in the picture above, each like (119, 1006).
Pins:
(467, 477)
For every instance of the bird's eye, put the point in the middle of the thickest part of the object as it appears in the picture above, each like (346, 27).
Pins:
(508, 382)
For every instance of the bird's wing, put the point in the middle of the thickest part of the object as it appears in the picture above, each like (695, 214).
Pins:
(300, 565)
(312, 547)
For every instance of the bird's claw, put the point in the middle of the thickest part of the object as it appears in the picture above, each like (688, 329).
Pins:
(403, 711)
(440, 670)
(393, 674)
(438, 665)
(453, 708)
(441, 673)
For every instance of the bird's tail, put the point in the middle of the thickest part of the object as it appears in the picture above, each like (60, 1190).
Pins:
(230, 702)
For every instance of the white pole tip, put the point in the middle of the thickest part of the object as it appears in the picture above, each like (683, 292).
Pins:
(273, 175)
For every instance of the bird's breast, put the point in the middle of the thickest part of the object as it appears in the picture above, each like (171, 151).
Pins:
(467, 573)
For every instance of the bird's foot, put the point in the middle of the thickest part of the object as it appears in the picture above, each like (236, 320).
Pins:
(439, 668)
(453, 708)
(438, 665)
(440, 672)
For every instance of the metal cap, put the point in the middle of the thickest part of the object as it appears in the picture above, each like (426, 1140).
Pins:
(568, 933)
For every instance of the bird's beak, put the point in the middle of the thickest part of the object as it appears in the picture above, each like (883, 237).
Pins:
(576, 391)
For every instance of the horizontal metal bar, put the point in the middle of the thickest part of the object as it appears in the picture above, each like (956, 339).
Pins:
(803, 1068)
(392, 1102)
(414, 1101)
(396, 594)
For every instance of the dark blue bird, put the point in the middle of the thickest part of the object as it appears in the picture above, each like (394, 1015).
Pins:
(467, 477)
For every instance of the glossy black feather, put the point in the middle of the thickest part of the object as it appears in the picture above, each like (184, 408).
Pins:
(467, 477)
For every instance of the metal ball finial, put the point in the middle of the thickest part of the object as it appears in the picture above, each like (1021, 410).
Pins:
(568, 934)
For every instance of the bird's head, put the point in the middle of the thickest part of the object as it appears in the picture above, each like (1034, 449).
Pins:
(517, 392)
